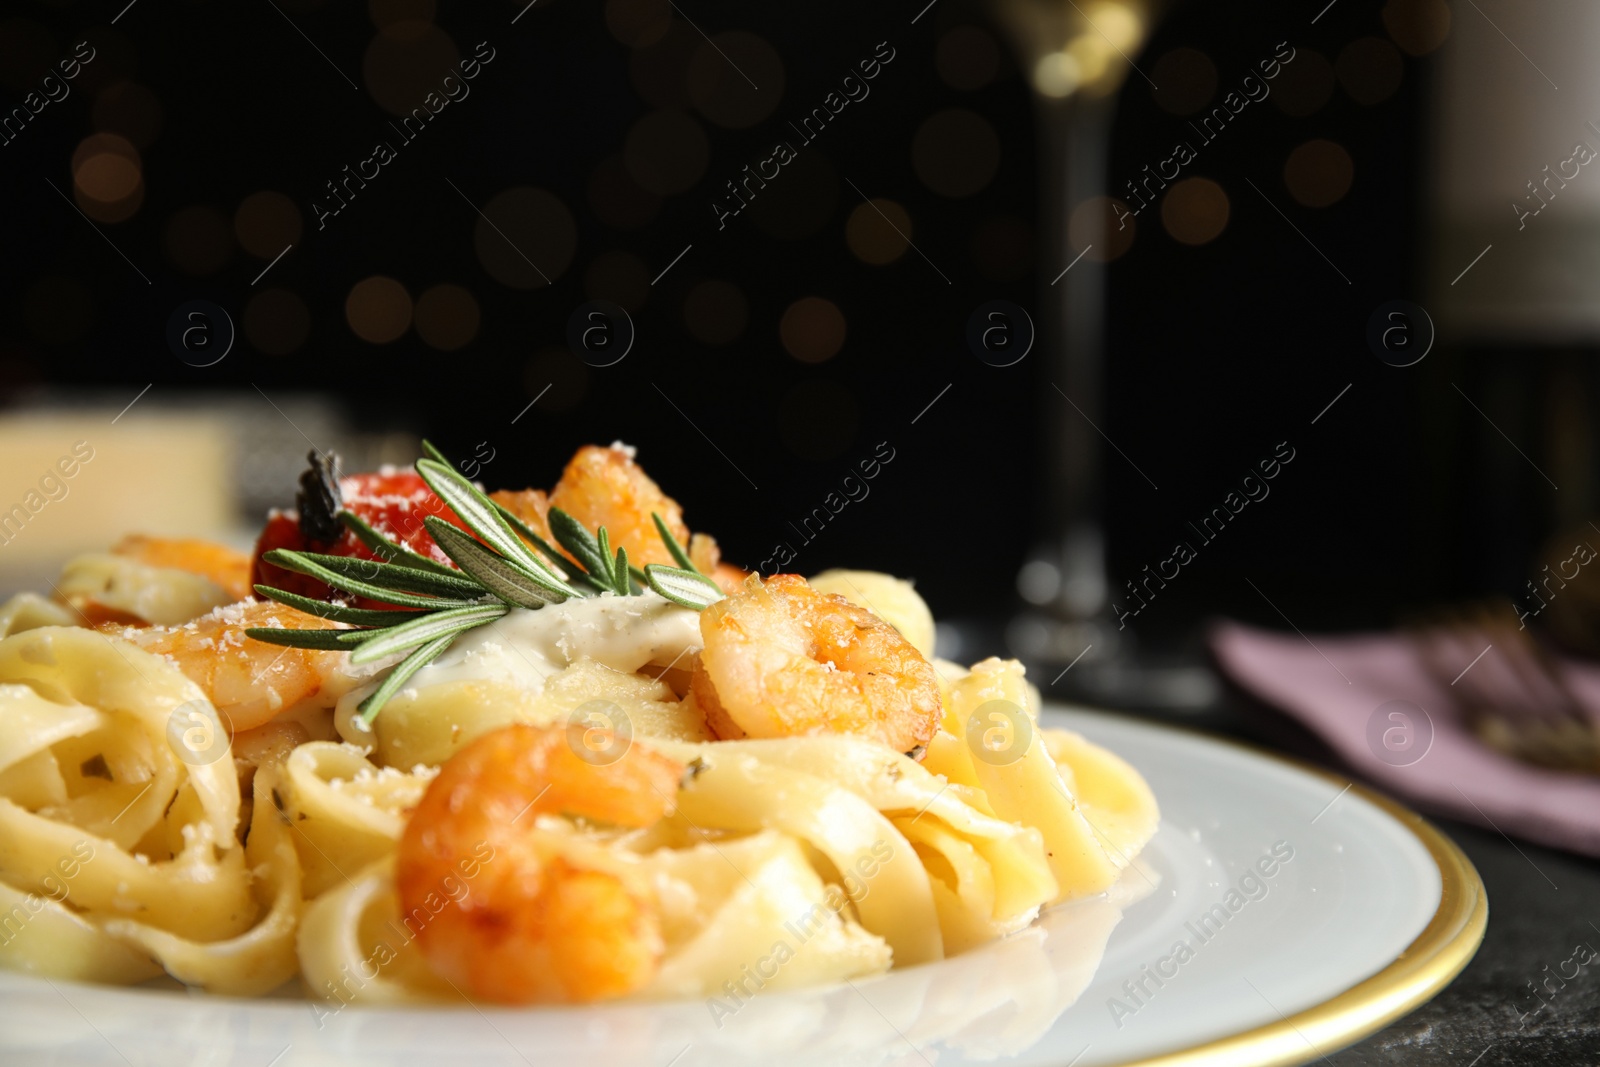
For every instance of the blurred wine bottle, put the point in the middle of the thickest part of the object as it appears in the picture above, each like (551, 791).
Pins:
(1514, 289)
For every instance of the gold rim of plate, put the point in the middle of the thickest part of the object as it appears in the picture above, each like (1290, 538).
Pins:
(1445, 946)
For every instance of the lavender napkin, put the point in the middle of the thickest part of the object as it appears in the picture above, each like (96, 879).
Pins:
(1350, 690)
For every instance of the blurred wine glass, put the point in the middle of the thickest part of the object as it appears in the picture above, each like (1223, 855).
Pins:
(1076, 56)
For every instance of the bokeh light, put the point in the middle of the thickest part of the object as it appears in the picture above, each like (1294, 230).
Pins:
(1417, 26)
(1116, 23)
(1186, 80)
(878, 232)
(620, 277)
(405, 62)
(525, 238)
(1369, 69)
(1102, 228)
(101, 179)
(129, 109)
(716, 312)
(198, 239)
(638, 23)
(1303, 85)
(266, 223)
(378, 309)
(666, 152)
(812, 329)
(1195, 211)
(1057, 75)
(1094, 57)
(717, 85)
(555, 380)
(109, 170)
(447, 317)
(1109, 32)
(57, 309)
(955, 152)
(107, 177)
(617, 199)
(818, 420)
(1318, 173)
(276, 322)
(967, 58)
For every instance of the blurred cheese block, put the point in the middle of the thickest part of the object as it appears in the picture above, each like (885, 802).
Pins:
(1513, 169)
(77, 481)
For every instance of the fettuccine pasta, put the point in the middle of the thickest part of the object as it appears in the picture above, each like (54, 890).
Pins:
(627, 793)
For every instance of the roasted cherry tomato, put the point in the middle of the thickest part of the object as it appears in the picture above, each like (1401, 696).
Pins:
(393, 503)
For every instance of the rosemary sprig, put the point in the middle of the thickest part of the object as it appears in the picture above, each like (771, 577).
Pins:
(503, 564)
(431, 627)
(500, 576)
(385, 549)
(689, 588)
(679, 556)
(402, 674)
(583, 546)
(575, 574)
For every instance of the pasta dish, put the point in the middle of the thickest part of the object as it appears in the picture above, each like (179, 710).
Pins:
(427, 742)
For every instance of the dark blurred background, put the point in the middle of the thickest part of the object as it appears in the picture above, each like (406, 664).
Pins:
(773, 354)
(825, 324)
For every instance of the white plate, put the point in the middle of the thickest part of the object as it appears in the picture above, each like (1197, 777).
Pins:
(1316, 959)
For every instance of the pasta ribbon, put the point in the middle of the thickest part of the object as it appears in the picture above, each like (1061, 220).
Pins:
(738, 791)
(29, 611)
(1015, 871)
(260, 958)
(354, 946)
(135, 847)
(102, 583)
(347, 812)
(40, 935)
(751, 914)
(1028, 787)
(1113, 796)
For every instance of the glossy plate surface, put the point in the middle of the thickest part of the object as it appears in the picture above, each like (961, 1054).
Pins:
(1202, 958)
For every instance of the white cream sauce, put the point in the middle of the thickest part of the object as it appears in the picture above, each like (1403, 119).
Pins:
(527, 646)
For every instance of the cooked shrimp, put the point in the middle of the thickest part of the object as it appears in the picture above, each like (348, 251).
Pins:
(248, 681)
(529, 505)
(605, 487)
(223, 565)
(523, 922)
(781, 658)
